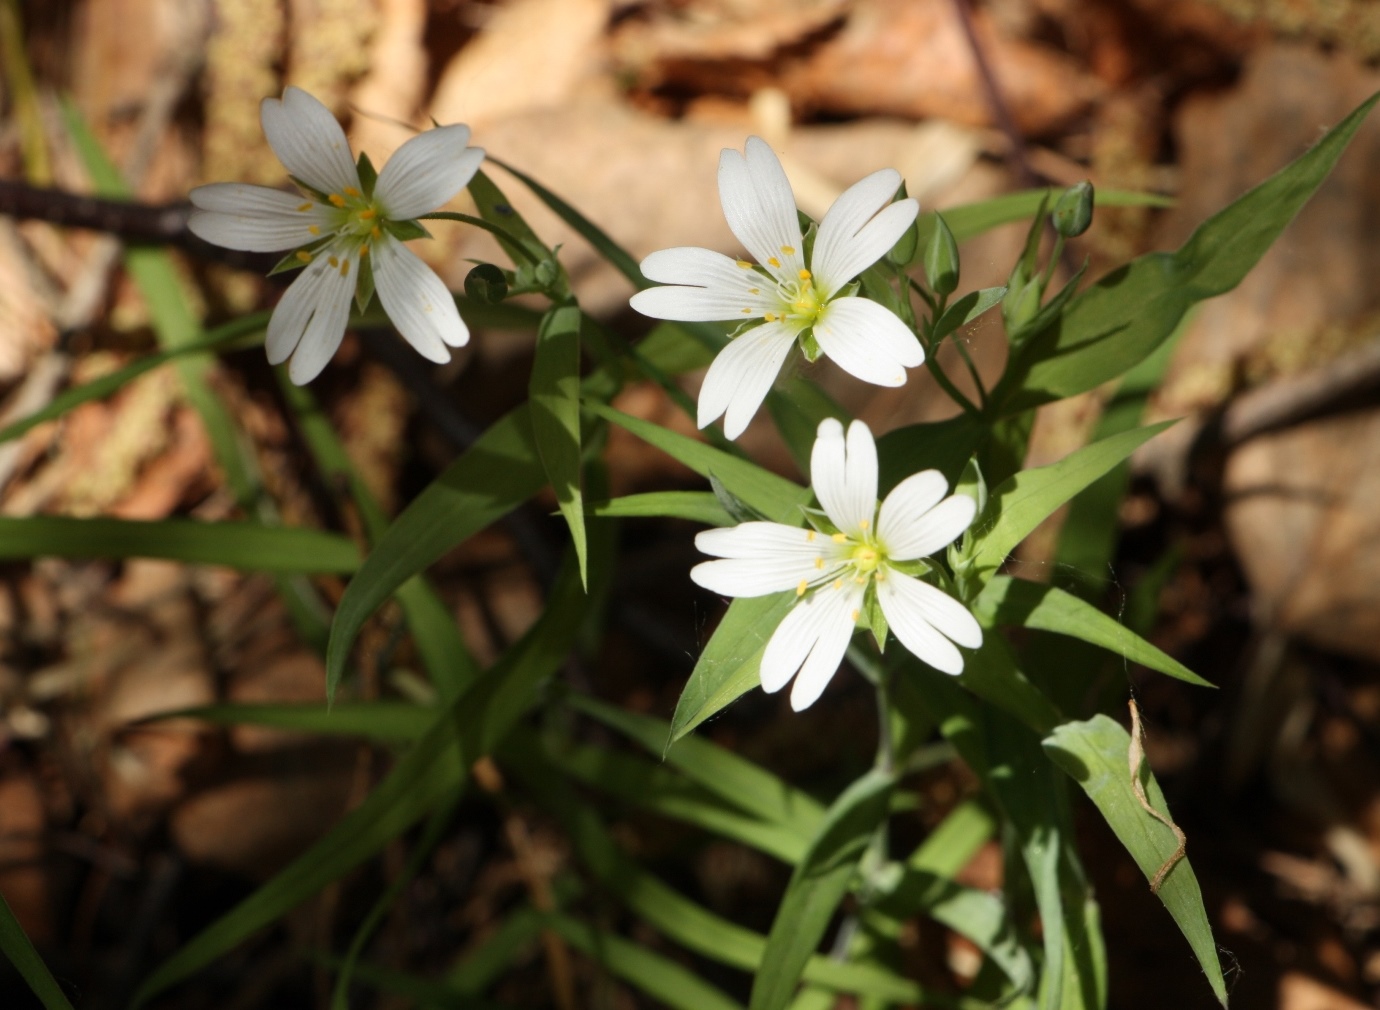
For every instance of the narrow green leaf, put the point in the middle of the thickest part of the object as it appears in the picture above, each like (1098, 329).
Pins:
(697, 506)
(659, 977)
(1048, 608)
(775, 497)
(1127, 314)
(242, 545)
(972, 219)
(15, 945)
(729, 665)
(428, 774)
(384, 721)
(555, 410)
(1095, 755)
(514, 234)
(966, 310)
(606, 247)
(1024, 501)
(950, 846)
(817, 886)
(494, 476)
(729, 776)
(221, 337)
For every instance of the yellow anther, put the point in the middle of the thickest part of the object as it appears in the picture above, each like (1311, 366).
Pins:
(374, 231)
(800, 589)
(344, 268)
(838, 583)
(788, 250)
(304, 256)
(855, 617)
(336, 200)
(313, 229)
(368, 215)
(840, 538)
(860, 579)
(770, 317)
(804, 275)
(364, 250)
(351, 191)
(304, 206)
(819, 562)
(864, 524)
(333, 261)
(773, 261)
(745, 264)
(754, 291)
(810, 537)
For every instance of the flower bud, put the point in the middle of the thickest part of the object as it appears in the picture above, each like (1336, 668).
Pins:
(1073, 212)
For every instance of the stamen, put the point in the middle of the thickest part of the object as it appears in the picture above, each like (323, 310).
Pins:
(770, 317)
(754, 291)
(374, 231)
(364, 250)
(804, 275)
(800, 589)
(351, 191)
(368, 215)
(838, 583)
(773, 261)
(747, 312)
(810, 537)
(819, 562)
(855, 617)
(344, 268)
(840, 538)
(336, 200)
(313, 229)
(789, 250)
(864, 524)
(333, 261)
(745, 264)
(305, 206)
(304, 256)
(860, 579)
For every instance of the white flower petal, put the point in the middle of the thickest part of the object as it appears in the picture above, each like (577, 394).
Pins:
(867, 341)
(910, 534)
(844, 475)
(739, 379)
(334, 290)
(812, 628)
(837, 618)
(722, 289)
(416, 300)
(859, 229)
(760, 208)
(293, 312)
(925, 618)
(255, 218)
(427, 171)
(762, 558)
(308, 141)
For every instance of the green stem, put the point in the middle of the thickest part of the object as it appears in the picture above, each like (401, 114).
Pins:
(479, 222)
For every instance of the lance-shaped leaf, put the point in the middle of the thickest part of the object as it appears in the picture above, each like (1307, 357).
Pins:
(1123, 317)
(1024, 501)
(729, 666)
(15, 945)
(1048, 608)
(1095, 754)
(242, 545)
(817, 886)
(555, 408)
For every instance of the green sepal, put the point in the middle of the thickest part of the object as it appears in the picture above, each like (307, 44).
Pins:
(368, 175)
(876, 285)
(915, 567)
(405, 231)
(875, 618)
(288, 262)
(941, 258)
(364, 286)
(809, 346)
(808, 232)
(1049, 312)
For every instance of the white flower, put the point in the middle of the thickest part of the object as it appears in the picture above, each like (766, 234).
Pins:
(339, 224)
(790, 296)
(833, 574)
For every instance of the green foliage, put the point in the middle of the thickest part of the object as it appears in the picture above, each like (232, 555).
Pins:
(1024, 739)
